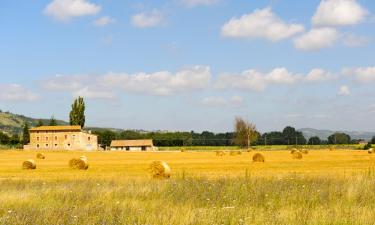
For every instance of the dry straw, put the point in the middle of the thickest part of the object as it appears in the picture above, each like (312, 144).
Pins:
(80, 164)
(370, 151)
(220, 153)
(257, 157)
(29, 165)
(305, 151)
(297, 155)
(234, 153)
(40, 156)
(293, 151)
(160, 169)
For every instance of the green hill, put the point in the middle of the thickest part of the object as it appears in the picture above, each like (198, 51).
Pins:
(13, 123)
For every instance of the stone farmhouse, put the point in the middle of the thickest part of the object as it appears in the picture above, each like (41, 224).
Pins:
(61, 138)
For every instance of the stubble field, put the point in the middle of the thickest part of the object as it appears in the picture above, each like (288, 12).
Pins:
(324, 187)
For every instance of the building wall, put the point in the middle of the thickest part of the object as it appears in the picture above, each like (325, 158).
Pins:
(62, 140)
(124, 148)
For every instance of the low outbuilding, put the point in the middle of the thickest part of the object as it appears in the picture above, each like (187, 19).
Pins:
(132, 145)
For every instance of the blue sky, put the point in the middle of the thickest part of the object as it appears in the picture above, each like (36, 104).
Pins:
(191, 64)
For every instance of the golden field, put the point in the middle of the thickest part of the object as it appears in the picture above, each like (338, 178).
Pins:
(202, 164)
(325, 187)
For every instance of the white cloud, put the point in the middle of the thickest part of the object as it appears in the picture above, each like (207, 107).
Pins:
(158, 83)
(147, 19)
(316, 38)
(161, 83)
(103, 21)
(352, 40)
(221, 101)
(193, 3)
(362, 74)
(64, 10)
(338, 13)
(344, 91)
(319, 75)
(256, 81)
(15, 92)
(260, 24)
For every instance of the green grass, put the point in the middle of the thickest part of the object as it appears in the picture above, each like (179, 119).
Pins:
(190, 200)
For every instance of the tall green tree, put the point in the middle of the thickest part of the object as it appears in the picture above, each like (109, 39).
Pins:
(40, 123)
(77, 114)
(26, 134)
(314, 141)
(339, 138)
(52, 121)
(245, 133)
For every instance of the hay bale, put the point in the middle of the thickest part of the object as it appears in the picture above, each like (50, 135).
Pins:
(29, 165)
(297, 155)
(305, 151)
(250, 149)
(220, 153)
(293, 150)
(370, 151)
(160, 169)
(79, 164)
(257, 157)
(40, 156)
(234, 153)
(182, 150)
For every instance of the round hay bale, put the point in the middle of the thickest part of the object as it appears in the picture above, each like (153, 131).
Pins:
(40, 156)
(370, 151)
(297, 155)
(234, 153)
(220, 153)
(293, 151)
(29, 165)
(257, 157)
(79, 164)
(182, 150)
(250, 149)
(305, 151)
(160, 169)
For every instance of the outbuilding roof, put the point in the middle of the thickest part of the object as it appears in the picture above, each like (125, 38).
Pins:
(131, 143)
(56, 128)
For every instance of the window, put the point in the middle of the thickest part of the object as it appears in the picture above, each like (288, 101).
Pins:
(55, 138)
(37, 145)
(37, 138)
(68, 145)
(46, 138)
(89, 138)
(66, 137)
(46, 145)
(55, 145)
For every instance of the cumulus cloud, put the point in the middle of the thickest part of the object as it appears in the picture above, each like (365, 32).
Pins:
(160, 83)
(338, 13)
(344, 91)
(316, 38)
(64, 10)
(221, 101)
(15, 92)
(361, 74)
(147, 19)
(319, 75)
(193, 3)
(103, 21)
(256, 81)
(261, 23)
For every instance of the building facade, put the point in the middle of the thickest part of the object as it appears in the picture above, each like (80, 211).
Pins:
(132, 145)
(61, 138)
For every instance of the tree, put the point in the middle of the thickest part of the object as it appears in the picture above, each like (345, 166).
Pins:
(339, 138)
(314, 141)
(289, 135)
(40, 123)
(373, 140)
(26, 134)
(77, 115)
(245, 133)
(52, 121)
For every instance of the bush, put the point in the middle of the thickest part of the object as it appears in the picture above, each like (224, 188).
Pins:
(367, 146)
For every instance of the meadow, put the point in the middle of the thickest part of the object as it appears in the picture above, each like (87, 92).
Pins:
(324, 187)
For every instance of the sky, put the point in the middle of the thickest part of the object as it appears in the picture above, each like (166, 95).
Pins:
(186, 65)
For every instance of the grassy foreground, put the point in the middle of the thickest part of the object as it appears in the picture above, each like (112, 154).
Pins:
(325, 187)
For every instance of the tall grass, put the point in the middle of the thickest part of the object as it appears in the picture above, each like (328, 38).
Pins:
(191, 200)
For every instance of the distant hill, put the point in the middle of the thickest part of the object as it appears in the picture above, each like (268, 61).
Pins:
(323, 134)
(13, 123)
